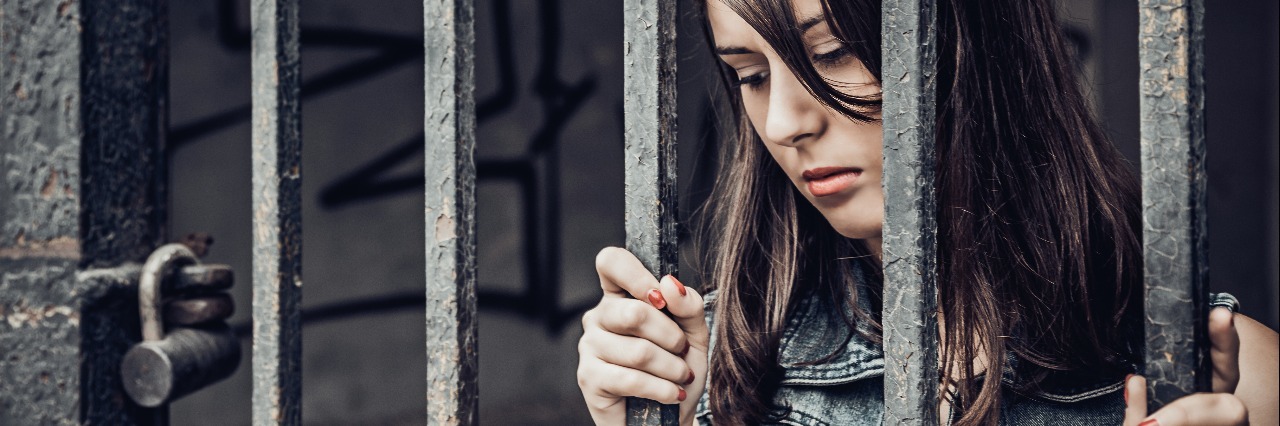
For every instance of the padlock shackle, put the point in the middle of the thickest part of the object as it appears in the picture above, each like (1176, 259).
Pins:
(161, 262)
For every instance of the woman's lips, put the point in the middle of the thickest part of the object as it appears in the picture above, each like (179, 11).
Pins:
(824, 181)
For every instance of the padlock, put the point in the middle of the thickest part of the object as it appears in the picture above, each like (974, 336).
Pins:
(165, 367)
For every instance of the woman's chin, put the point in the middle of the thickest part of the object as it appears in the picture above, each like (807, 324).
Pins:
(858, 231)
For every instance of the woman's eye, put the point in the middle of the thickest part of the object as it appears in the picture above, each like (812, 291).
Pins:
(833, 57)
(752, 81)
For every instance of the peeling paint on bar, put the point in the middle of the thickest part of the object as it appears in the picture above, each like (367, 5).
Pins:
(82, 177)
(649, 57)
(1174, 215)
(910, 305)
(449, 95)
(277, 215)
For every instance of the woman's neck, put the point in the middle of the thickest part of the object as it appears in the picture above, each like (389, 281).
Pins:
(873, 245)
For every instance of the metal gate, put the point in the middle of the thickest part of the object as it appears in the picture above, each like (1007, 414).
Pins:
(83, 197)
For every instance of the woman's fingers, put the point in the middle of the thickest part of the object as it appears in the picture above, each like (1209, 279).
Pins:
(630, 317)
(686, 308)
(1201, 409)
(1135, 399)
(622, 274)
(1225, 350)
(638, 354)
(1209, 409)
(606, 396)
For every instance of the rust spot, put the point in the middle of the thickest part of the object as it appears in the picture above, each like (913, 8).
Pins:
(198, 242)
(444, 228)
(46, 191)
(57, 248)
(19, 92)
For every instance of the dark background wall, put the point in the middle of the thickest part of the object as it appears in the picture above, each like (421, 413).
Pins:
(549, 90)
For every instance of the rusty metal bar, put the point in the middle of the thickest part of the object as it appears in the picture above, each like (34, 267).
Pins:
(1174, 216)
(649, 57)
(910, 301)
(82, 177)
(449, 94)
(277, 213)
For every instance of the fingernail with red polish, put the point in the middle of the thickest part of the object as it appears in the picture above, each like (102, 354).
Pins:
(1149, 422)
(684, 351)
(683, 395)
(655, 299)
(679, 285)
(689, 380)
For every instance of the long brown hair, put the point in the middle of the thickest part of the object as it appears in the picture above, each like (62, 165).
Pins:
(1038, 214)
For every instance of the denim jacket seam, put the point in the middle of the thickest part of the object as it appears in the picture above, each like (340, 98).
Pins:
(1068, 398)
(837, 380)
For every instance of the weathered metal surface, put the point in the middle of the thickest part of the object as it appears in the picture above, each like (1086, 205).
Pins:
(449, 96)
(81, 186)
(162, 262)
(168, 366)
(910, 301)
(277, 215)
(199, 310)
(187, 359)
(1174, 214)
(649, 108)
(200, 279)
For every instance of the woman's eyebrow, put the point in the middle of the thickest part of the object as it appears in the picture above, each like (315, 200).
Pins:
(733, 50)
(805, 25)
(809, 22)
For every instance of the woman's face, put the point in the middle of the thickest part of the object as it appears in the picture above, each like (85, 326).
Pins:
(834, 161)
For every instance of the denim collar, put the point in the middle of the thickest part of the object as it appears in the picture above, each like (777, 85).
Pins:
(814, 332)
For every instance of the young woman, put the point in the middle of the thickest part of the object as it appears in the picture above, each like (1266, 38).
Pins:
(1039, 256)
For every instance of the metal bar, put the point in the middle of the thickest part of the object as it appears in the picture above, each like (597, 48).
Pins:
(649, 57)
(910, 301)
(449, 95)
(277, 213)
(82, 179)
(1174, 215)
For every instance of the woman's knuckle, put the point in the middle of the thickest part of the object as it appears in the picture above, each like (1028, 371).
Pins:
(628, 383)
(605, 257)
(1233, 407)
(631, 316)
(640, 356)
(589, 317)
(584, 378)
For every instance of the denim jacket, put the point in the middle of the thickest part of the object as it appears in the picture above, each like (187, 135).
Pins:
(848, 389)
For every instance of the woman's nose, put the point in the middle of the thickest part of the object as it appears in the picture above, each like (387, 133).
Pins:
(794, 115)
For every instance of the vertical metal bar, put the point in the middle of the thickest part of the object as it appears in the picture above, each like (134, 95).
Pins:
(910, 301)
(452, 358)
(1173, 198)
(82, 179)
(649, 37)
(277, 215)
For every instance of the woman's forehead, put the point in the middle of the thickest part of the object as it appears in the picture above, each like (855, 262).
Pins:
(728, 27)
